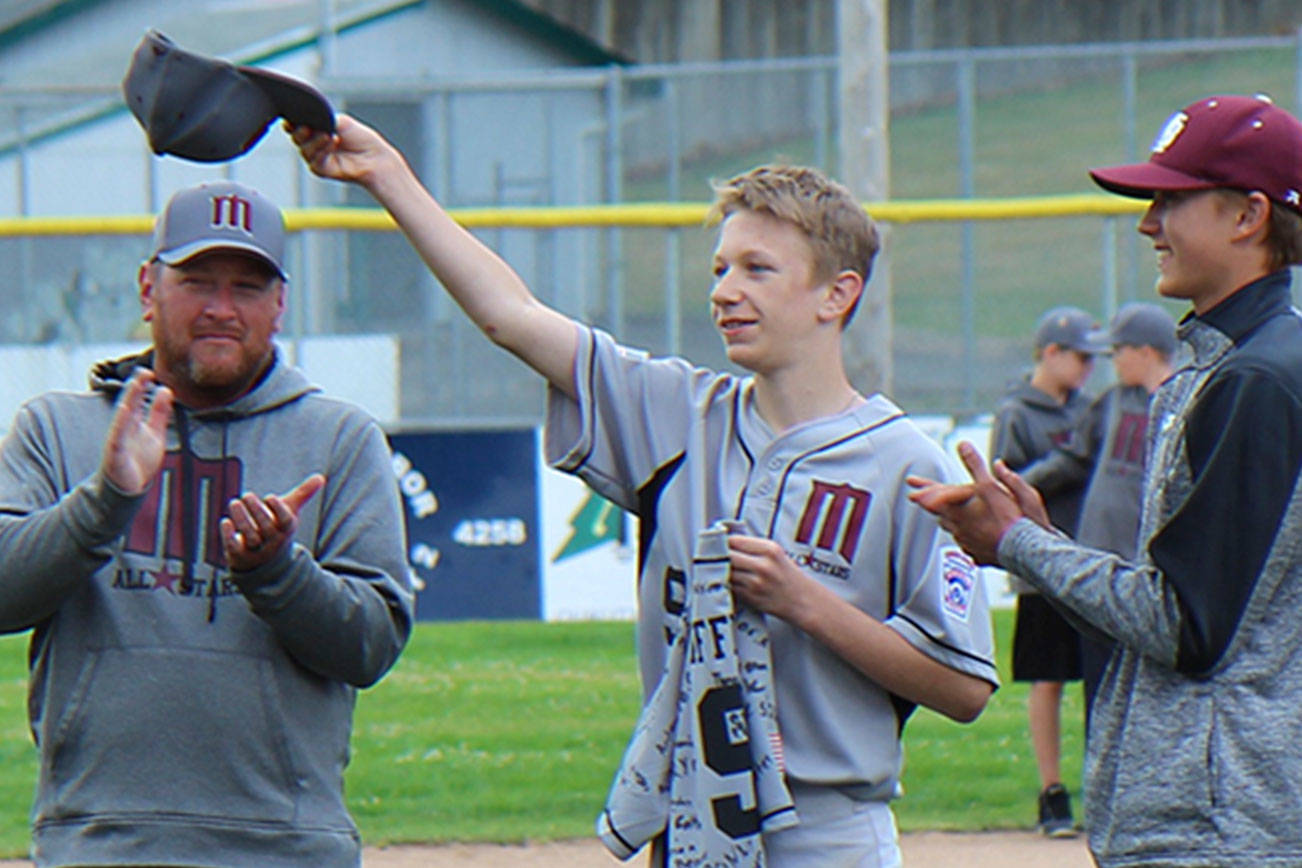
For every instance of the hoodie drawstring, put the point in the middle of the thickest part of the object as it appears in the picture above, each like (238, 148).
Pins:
(223, 500)
(187, 499)
(189, 512)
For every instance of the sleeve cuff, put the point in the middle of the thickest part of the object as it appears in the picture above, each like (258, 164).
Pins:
(98, 512)
(262, 578)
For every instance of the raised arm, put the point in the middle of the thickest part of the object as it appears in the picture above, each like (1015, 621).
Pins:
(485, 287)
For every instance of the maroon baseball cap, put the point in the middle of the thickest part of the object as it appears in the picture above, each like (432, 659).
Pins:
(1240, 142)
(209, 110)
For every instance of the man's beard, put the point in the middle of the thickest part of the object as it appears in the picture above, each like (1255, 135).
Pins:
(218, 382)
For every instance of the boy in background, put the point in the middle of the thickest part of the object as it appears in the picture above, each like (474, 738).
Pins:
(1107, 451)
(1038, 414)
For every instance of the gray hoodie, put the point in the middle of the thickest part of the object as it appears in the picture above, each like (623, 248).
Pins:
(1106, 451)
(186, 714)
(1029, 424)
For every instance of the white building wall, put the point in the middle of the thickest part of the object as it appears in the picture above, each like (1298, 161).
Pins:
(104, 166)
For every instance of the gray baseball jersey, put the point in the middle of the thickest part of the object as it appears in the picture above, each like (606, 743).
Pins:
(682, 447)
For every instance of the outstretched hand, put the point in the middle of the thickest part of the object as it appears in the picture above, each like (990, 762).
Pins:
(255, 529)
(354, 152)
(137, 434)
(979, 513)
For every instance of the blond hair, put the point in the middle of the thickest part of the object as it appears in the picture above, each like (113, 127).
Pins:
(840, 233)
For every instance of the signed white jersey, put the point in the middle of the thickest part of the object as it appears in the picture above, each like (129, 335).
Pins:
(682, 447)
(705, 760)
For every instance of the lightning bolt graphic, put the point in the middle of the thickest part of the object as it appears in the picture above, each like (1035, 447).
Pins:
(596, 522)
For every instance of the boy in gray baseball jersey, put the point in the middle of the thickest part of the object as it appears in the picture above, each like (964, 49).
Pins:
(1194, 742)
(1037, 414)
(871, 609)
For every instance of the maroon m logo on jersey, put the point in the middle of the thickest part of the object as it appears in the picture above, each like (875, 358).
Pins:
(1131, 432)
(827, 502)
(214, 483)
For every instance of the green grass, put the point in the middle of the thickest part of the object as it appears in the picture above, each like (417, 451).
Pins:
(982, 775)
(494, 731)
(511, 731)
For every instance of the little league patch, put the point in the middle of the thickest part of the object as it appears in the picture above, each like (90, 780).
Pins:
(959, 573)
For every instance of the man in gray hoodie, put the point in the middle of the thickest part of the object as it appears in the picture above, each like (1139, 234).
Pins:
(197, 643)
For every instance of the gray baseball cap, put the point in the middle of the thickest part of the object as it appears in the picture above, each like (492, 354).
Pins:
(209, 110)
(1141, 324)
(220, 215)
(1069, 327)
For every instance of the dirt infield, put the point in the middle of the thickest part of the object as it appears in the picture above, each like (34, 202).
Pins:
(921, 850)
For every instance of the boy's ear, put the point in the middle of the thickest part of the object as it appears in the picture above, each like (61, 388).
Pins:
(1254, 215)
(842, 292)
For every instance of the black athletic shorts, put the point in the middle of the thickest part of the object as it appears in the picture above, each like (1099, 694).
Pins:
(1045, 646)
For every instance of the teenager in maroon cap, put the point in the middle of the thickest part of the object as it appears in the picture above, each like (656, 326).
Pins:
(1196, 738)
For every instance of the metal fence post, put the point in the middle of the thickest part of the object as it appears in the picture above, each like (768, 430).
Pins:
(1297, 73)
(614, 194)
(1109, 267)
(25, 256)
(824, 82)
(1130, 97)
(22, 167)
(674, 237)
(967, 188)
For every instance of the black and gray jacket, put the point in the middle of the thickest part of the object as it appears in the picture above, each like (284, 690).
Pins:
(185, 713)
(1197, 723)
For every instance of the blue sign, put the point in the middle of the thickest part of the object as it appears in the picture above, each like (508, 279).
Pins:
(473, 535)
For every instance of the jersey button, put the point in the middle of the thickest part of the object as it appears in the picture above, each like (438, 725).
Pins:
(765, 487)
(775, 464)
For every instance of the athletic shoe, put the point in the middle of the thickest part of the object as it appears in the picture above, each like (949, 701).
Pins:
(1055, 812)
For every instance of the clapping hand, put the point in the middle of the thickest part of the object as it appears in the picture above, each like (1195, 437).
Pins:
(257, 528)
(137, 434)
(979, 513)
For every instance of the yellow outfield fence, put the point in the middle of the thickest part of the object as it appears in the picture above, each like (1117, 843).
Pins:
(641, 214)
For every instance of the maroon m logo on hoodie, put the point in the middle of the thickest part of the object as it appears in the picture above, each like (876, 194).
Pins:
(174, 502)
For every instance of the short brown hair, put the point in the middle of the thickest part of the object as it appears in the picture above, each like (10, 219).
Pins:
(840, 232)
(1284, 237)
